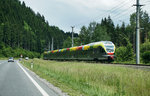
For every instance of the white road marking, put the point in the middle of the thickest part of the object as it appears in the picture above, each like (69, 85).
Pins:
(2, 62)
(33, 81)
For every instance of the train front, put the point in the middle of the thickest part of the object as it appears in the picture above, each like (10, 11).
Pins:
(110, 50)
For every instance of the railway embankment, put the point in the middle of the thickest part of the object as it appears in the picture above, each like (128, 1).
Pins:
(85, 79)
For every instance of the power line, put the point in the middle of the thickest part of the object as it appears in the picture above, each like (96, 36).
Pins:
(146, 2)
(123, 13)
(114, 9)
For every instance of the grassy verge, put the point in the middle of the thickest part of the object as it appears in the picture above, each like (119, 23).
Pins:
(80, 78)
(131, 62)
(3, 58)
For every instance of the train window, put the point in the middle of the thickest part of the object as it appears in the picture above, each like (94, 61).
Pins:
(110, 48)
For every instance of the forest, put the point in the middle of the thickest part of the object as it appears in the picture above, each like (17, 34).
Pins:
(123, 36)
(22, 31)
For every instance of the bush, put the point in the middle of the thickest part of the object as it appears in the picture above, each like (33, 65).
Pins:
(124, 53)
(146, 57)
(145, 47)
(120, 53)
(145, 51)
(16, 52)
(8, 52)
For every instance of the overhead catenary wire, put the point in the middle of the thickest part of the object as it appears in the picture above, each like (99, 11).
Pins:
(120, 15)
(115, 9)
(145, 1)
(124, 13)
(112, 10)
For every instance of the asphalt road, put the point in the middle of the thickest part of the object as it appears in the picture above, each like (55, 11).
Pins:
(15, 80)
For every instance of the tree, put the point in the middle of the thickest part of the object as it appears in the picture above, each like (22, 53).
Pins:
(100, 34)
(149, 35)
(84, 35)
(1, 32)
(110, 28)
(117, 38)
(125, 53)
(144, 23)
(67, 43)
(77, 41)
(21, 27)
(91, 29)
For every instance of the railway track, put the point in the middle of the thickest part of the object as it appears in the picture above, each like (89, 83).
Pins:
(105, 62)
(127, 64)
(137, 66)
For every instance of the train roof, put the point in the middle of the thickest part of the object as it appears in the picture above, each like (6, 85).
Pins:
(104, 42)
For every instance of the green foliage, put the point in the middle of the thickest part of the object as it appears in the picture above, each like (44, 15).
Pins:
(146, 57)
(85, 35)
(97, 32)
(145, 47)
(149, 35)
(100, 34)
(124, 53)
(144, 23)
(121, 53)
(67, 43)
(110, 28)
(26, 26)
(107, 31)
(145, 51)
(85, 79)
(21, 27)
(77, 41)
(9, 52)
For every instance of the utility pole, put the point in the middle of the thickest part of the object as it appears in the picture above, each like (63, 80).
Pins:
(49, 45)
(72, 36)
(52, 44)
(137, 32)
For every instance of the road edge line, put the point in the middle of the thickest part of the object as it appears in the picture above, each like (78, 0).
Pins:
(43, 92)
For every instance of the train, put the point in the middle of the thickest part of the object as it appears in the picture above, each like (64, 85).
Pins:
(102, 50)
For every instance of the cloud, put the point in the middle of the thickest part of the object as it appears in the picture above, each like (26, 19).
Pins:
(66, 13)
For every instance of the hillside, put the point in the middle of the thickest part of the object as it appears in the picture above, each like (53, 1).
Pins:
(21, 27)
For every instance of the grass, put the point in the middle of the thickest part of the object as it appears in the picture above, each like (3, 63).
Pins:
(131, 62)
(3, 58)
(80, 78)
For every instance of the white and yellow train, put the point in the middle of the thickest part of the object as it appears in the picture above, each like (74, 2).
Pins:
(103, 50)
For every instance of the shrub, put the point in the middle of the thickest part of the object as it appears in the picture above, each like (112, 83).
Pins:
(16, 52)
(146, 57)
(124, 53)
(8, 52)
(120, 53)
(145, 47)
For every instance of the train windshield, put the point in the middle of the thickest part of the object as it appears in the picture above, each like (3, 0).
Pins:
(109, 48)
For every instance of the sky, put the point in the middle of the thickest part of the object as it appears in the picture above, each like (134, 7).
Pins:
(78, 13)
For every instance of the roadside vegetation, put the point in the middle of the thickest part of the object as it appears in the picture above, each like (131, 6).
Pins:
(126, 55)
(6, 52)
(23, 31)
(85, 79)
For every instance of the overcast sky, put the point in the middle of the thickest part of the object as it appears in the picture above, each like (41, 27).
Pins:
(67, 13)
